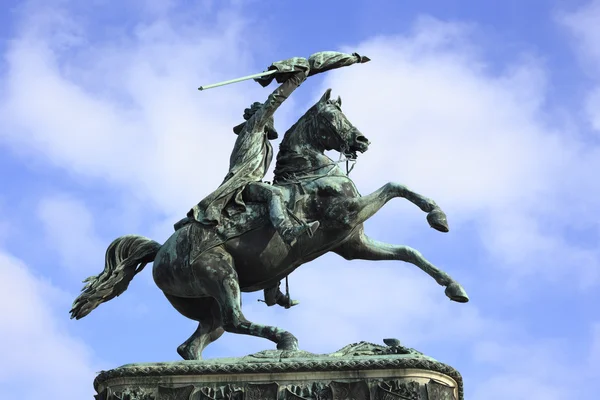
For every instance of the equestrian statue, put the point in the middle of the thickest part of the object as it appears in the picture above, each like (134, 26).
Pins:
(249, 235)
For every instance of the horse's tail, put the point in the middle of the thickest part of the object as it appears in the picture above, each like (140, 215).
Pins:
(125, 257)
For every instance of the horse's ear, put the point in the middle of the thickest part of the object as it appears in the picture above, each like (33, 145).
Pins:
(339, 101)
(326, 96)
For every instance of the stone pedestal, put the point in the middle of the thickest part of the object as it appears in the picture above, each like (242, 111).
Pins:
(359, 371)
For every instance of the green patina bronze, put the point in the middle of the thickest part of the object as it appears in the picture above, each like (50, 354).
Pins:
(249, 235)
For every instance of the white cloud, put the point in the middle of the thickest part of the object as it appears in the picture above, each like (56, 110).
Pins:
(582, 23)
(133, 115)
(69, 228)
(5, 227)
(528, 369)
(594, 353)
(520, 387)
(592, 106)
(39, 358)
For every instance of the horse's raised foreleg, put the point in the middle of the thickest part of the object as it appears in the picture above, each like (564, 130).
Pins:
(362, 247)
(217, 277)
(360, 209)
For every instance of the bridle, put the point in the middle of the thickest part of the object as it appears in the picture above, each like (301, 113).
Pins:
(341, 133)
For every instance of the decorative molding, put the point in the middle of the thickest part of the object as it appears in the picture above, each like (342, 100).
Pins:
(175, 393)
(362, 356)
(357, 390)
(363, 389)
(395, 390)
(439, 391)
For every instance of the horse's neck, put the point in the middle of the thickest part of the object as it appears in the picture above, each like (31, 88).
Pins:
(299, 161)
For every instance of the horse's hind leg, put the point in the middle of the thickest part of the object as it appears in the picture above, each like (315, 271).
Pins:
(206, 311)
(219, 279)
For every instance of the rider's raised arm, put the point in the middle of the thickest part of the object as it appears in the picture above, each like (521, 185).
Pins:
(291, 74)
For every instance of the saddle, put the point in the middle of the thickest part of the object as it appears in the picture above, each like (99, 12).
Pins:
(237, 224)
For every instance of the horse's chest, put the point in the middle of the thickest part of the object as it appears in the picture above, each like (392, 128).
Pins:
(339, 188)
(328, 201)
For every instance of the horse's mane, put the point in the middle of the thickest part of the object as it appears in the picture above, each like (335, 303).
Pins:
(304, 132)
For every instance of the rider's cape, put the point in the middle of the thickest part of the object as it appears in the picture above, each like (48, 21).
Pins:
(253, 152)
(249, 162)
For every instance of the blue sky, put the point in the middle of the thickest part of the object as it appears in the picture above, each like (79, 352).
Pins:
(491, 110)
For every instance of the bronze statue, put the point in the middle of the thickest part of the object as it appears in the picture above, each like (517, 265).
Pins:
(248, 235)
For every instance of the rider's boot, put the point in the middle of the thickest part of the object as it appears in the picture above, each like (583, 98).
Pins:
(274, 296)
(285, 302)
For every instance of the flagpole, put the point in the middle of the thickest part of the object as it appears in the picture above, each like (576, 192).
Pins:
(243, 78)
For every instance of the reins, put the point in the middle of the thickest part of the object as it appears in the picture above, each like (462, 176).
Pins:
(293, 178)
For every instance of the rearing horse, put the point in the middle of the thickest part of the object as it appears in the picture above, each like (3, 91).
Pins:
(203, 275)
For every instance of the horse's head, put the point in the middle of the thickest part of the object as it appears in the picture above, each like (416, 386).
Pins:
(323, 127)
(334, 131)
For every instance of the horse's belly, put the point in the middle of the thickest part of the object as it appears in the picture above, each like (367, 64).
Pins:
(259, 256)
(262, 259)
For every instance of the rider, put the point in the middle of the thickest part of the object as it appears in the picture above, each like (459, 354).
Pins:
(253, 153)
(250, 159)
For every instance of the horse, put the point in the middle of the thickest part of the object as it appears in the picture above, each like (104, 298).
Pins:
(203, 273)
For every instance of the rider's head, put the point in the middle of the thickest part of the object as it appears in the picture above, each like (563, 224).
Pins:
(248, 113)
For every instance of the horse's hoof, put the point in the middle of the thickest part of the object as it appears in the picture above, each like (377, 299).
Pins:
(186, 354)
(437, 220)
(288, 342)
(456, 293)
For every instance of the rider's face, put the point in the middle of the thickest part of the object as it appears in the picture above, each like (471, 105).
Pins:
(271, 132)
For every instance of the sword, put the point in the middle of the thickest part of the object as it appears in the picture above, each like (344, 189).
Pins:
(243, 78)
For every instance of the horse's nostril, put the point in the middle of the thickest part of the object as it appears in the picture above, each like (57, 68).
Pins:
(362, 139)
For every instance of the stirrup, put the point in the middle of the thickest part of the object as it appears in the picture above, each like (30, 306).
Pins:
(312, 227)
(292, 234)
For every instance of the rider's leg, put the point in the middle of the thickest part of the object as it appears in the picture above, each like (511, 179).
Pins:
(273, 197)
